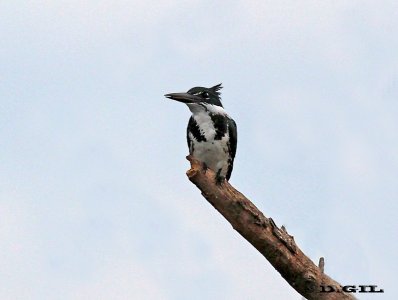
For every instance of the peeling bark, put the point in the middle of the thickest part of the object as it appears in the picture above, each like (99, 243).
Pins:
(274, 243)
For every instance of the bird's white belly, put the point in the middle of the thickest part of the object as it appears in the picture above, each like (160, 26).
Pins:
(214, 153)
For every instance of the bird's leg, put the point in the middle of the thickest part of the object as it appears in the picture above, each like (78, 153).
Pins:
(219, 179)
(204, 167)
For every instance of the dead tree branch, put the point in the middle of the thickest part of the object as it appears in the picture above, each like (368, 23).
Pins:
(278, 247)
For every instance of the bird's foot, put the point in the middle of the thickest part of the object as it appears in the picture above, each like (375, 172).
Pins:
(219, 179)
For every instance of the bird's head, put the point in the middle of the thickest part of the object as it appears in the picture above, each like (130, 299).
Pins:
(199, 95)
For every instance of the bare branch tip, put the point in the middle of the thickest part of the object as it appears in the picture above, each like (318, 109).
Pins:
(192, 173)
(195, 166)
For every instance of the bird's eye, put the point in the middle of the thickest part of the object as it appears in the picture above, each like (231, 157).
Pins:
(206, 95)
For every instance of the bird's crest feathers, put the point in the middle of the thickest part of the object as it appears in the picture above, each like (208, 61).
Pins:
(216, 88)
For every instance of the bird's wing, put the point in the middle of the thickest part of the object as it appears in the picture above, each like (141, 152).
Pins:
(233, 136)
(232, 143)
(190, 124)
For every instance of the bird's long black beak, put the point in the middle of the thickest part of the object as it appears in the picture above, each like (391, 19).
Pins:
(184, 97)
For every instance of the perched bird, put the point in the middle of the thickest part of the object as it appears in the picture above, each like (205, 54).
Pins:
(211, 132)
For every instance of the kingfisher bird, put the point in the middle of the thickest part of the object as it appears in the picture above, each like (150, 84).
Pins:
(211, 132)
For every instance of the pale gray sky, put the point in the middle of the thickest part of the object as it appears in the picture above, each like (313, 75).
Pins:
(94, 201)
